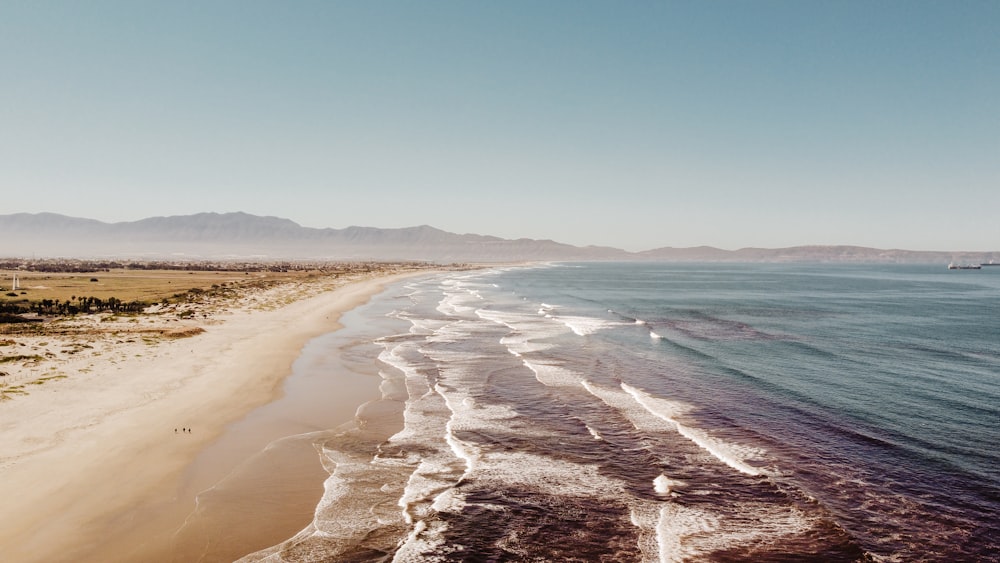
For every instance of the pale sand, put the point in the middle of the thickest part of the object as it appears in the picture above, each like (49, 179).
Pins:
(91, 468)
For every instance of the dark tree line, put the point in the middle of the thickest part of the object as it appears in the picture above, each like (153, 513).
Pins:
(87, 305)
(74, 306)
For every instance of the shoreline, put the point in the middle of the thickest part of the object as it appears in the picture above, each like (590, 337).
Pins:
(91, 466)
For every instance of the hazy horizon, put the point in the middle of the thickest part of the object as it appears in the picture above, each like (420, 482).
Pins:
(223, 234)
(768, 124)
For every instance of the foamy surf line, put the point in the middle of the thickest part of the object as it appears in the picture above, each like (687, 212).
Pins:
(655, 414)
(668, 411)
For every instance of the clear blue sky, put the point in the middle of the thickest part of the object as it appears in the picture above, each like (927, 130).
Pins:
(630, 124)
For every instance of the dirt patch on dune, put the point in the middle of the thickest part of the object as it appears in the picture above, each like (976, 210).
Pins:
(183, 332)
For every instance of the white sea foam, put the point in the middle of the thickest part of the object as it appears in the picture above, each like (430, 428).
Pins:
(425, 544)
(454, 304)
(502, 470)
(455, 386)
(348, 489)
(425, 484)
(553, 375)
(513, 321)
(549, 476)
(392, 356)
(525, 330)
(730, 454)
(427, 418)
(422, 327)
(617, 399)
(459, 296)
(686, 533)
(644, 515)
(582, 326)
(679, 529)
(670, 532)
(664, 485)
(392, 387)
(654, 414)
(520, 344)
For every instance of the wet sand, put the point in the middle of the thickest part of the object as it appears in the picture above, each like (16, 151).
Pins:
(115, 482)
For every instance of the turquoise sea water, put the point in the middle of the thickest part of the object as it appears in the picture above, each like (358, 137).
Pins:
(670, 412)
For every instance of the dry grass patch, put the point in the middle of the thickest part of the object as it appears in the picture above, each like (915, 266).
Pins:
(21, 358)
(8, 392)
(182, 332)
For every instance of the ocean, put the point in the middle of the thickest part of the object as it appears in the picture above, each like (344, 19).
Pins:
(670, 412)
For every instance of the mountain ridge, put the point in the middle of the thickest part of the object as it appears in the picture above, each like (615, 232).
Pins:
(239, 235)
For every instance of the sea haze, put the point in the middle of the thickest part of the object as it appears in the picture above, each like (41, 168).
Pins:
(666, 412)
(236, 236)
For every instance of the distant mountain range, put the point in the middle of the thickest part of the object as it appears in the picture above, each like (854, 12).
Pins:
(214, 236)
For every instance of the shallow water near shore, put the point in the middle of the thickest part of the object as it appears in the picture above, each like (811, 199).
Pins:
(671, 412)
(259, 483)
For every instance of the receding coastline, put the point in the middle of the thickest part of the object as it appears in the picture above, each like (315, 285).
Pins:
(92, 468)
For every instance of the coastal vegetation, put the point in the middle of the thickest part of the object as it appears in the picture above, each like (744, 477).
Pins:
(62, 318)
(52, 289)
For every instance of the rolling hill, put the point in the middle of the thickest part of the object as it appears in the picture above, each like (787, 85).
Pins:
(223, 236)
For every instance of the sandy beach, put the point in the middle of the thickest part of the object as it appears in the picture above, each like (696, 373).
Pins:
(102, 461)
